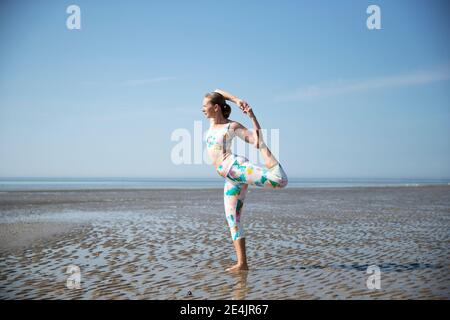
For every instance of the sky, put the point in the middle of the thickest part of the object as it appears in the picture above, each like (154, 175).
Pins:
(105, 100)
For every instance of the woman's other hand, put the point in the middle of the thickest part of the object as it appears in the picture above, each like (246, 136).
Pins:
(244, 106)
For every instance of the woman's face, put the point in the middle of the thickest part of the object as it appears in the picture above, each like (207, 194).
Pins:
(208, 109)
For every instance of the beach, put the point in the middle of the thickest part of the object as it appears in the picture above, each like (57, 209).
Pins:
(302, 243)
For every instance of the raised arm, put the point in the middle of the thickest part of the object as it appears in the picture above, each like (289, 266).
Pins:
(254, 136)
(227, 96)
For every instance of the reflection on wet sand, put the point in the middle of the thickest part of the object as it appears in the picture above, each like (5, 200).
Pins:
(149, 244)
(240, 285)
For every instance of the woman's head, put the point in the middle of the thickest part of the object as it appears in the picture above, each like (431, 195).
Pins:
(214, 103)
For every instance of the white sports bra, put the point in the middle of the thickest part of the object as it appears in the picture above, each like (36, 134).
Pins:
(220, 138)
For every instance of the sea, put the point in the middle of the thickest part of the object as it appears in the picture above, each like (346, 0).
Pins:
(81, 183)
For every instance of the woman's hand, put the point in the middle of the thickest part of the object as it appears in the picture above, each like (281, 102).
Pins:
(245, 107)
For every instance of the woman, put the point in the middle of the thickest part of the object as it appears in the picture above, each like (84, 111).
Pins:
(238, 172)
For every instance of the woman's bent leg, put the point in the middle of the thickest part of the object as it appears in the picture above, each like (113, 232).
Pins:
(243, 171)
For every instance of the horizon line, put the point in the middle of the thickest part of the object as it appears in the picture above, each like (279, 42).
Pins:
(217, 178)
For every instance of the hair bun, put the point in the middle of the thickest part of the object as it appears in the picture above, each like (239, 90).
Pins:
(226, 110)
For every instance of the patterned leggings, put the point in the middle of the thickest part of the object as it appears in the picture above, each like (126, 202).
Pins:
(241, 174)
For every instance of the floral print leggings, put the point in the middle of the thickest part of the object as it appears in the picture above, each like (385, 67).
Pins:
(241, 174)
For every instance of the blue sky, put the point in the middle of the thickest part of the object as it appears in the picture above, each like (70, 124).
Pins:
(103, 101)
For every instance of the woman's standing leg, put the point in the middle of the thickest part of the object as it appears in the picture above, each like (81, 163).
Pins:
(234, 197)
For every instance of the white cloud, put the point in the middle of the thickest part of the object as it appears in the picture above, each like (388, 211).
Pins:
(341, 87)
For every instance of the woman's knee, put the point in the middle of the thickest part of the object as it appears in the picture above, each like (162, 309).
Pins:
(283, 183)
(278, 183)
(278, 177)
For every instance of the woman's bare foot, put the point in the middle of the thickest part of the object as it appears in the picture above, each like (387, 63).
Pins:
(237, 267)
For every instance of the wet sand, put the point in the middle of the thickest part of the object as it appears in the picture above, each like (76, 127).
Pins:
(161, 244)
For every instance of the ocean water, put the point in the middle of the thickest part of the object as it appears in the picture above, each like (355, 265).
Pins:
(8, 184)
